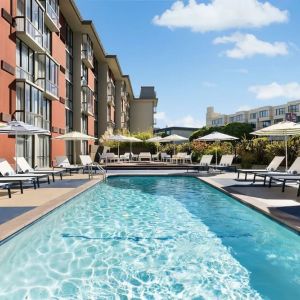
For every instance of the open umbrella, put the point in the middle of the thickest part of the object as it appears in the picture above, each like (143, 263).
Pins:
(132, 139)
(75, 136)
(18, 128)
(173, 138)
(155, 139)
(118, 138)
(283, 129)
(216, 137)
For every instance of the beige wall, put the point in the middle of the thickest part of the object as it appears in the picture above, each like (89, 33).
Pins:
(141, 115)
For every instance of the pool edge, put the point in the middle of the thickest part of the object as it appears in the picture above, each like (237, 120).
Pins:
(16, 225)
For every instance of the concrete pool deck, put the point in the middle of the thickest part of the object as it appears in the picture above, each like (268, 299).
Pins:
(23, 209)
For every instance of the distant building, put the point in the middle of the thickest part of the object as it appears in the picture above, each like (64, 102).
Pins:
(142, 110)
(183, 131)
(258, 117)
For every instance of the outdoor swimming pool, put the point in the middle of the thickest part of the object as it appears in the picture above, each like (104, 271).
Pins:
(152, 238)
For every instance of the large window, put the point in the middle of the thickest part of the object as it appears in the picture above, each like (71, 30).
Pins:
(48, 40)
(280, 111)
(294, 108)
(25, 61)
(84, 74)
(263, 113)
(253, 116)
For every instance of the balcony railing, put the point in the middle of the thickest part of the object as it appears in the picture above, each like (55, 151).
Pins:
(110, 93)
(87, 101)
(22, 74)
(51, 88)
(87, 57)
(52, 14)
(29, 33)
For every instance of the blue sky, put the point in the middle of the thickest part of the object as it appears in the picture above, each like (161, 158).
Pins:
(231, 54)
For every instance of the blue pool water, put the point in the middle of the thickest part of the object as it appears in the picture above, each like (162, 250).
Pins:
(152, 238)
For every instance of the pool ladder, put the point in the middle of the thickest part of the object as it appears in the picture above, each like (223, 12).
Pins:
(97, 167)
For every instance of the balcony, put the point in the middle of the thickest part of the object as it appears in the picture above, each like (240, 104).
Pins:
(51, 15)
(29, 34)
(87, 101)
(22, 74)
(111, 93)
(47, 70)
(87, 54)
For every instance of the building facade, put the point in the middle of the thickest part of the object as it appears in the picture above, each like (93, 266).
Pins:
(182, 131)
(55, 74)
(258, 117)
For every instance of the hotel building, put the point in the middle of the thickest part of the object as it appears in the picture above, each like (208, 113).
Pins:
(55, 74)
(258, 117)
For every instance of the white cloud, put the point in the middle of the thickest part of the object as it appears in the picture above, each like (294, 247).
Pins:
(186, 121)
(218, 15)
(275, 90)
(208, 84)
(247, 45)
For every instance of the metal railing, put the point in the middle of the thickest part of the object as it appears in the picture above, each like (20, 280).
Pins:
(22, 74)
(51, 88)
(25, 25)
(53, 15)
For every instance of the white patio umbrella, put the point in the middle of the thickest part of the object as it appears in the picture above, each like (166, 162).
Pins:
(283, 129)
(75, 136)
(18, 128)
(173, 138)
(132, 139)
(118, 138)
(216, 137)
(155, 139)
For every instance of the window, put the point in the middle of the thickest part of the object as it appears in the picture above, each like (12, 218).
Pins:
(280, 111)
(69, 95)
(25, 61)
(48, 40)
(217, 122)
(253, 116)
(266, 123)
(263, 113)
(69, 120)
(294, 108)
(69, 39)
(84, 124)
(84, 74)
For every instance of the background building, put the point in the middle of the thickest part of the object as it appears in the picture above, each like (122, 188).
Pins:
(183, 131)
(258, 117)
(55, 74)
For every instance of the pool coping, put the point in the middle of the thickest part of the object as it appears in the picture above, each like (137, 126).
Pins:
(16, 225)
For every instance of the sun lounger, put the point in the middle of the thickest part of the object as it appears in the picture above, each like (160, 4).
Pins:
(125, 156)
(225, 163)
(24, 166)
(63, 162)
(88, 164)
(292, 171)
(145, 155)
(179, 157)
(273, 166)
(6, 186)
(284, 179)
(204, 163)
(165, 157)
(19, 180)
(8, 172)
(155, 156)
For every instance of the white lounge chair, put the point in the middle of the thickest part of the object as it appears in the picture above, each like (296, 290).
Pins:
(225, 163)
(165, 157)
(145, 155)
(155, 156)
(188, 158)
(88, 164)
(204, 163)
(7, 180)
(273, 166)
(24, 166)
(63, 162)
(179, 157)
(292, 171)
(125, 156)
(8, 172)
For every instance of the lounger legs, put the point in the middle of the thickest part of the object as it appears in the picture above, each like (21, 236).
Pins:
(9, 191)
(21, 186)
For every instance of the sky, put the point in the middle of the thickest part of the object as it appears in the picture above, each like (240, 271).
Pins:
(230, 54)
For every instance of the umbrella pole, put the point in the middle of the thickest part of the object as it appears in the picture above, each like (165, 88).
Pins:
(16, 152)
(286, 153)
(216, 156)
(130, 150)
(118, 151)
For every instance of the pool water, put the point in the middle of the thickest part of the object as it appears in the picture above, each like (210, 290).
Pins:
(152, 238)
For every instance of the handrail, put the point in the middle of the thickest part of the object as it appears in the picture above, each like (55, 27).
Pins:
(100, 168)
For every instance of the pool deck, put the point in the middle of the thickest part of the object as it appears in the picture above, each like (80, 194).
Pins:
(24, 209)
